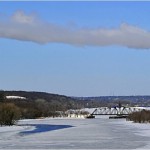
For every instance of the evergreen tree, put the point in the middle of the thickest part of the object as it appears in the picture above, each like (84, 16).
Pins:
(2, 96)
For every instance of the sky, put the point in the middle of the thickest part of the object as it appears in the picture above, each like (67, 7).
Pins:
(75, 48)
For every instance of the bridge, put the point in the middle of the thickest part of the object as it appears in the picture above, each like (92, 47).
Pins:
(117, 110)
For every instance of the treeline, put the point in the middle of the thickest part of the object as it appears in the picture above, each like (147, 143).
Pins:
(60, 100)
(35, 105)
(140, 117)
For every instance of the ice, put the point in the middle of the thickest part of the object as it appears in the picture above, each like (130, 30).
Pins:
(64, 133)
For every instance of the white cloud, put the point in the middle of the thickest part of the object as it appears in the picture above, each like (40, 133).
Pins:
(20, 17)
(28, 28)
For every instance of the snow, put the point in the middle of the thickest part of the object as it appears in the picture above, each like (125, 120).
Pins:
(146, 108)
(15, 97)
(67, 133)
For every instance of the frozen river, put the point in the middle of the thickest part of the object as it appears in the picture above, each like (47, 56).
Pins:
(99, 133)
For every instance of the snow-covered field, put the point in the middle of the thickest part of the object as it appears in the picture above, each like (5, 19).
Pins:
(99, 133)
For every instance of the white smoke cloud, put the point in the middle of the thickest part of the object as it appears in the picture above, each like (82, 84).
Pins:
(24, 27)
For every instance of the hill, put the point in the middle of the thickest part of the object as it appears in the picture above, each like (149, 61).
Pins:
(140, 100)
(39, 104)
(32, 95)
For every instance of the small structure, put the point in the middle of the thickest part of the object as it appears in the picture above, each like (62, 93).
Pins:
(77, 113)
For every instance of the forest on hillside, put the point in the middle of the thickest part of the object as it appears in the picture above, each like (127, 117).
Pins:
(41, 104)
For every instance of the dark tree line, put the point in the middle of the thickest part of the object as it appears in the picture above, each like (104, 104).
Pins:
(36, 105)
(140, 117)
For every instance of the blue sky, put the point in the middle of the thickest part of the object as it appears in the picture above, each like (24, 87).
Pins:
(75, 48)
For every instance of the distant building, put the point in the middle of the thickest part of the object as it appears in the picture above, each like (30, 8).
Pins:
(77, 113)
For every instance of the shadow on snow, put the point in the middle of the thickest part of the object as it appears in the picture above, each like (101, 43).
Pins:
(43, 128)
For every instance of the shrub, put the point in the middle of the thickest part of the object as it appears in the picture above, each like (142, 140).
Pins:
(9, 114)
(140, 117)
